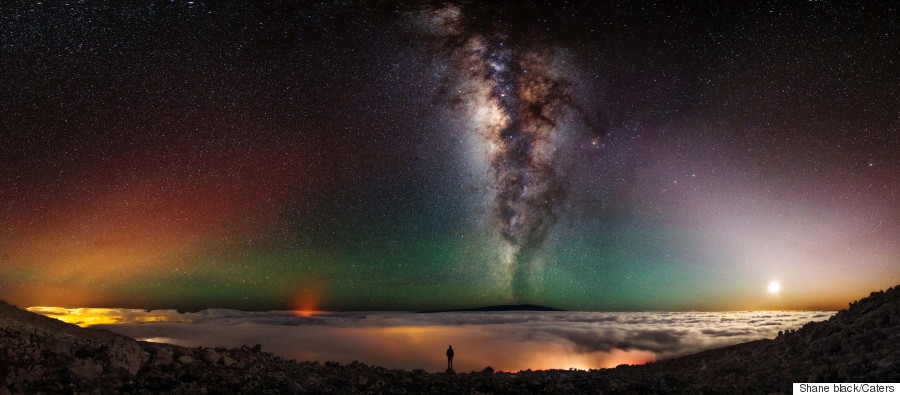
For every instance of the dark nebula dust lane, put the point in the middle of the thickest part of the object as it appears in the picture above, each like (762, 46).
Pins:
(516, 96)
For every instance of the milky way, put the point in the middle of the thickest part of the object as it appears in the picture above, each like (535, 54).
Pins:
(515, 97)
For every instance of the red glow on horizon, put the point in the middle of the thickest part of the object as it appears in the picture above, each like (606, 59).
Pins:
(306, 304)
(307, 312)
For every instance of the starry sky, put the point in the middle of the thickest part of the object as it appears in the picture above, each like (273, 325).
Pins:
(365, 155)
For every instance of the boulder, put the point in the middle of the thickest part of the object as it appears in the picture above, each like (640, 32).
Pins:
(210, 356)
(163, 356)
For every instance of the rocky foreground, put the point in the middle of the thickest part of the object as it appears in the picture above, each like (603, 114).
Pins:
(43, 355)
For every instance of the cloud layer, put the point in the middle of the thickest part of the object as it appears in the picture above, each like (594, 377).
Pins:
(506, 341)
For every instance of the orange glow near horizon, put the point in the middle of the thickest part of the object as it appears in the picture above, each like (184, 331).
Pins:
(308, 313)
(306, 309)
(557, 359)
(83, 243)
(85, 317)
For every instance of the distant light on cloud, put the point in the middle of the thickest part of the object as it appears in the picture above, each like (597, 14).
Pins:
(156, 340)
(85, 317)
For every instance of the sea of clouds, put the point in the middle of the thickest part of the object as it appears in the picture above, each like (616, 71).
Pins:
(509, 341)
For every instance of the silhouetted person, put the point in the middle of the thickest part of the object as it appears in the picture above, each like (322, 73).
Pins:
(450, 358)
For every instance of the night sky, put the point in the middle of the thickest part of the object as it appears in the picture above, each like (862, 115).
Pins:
(407, 156)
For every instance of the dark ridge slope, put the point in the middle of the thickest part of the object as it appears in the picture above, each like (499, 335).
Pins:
(859, 344)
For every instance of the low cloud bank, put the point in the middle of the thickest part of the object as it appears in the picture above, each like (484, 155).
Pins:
(508, 341)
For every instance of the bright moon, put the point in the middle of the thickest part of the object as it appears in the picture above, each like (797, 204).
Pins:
(774, 287)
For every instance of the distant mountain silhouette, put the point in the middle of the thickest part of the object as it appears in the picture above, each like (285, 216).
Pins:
(502, 307)
(43, 355)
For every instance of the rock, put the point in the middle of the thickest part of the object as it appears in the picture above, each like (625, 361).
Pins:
(313, 380)
(57, 345)
(185, 359)
(210, 356)
(86, 369)
(127, 355)
(227, 361)
(163, 356)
